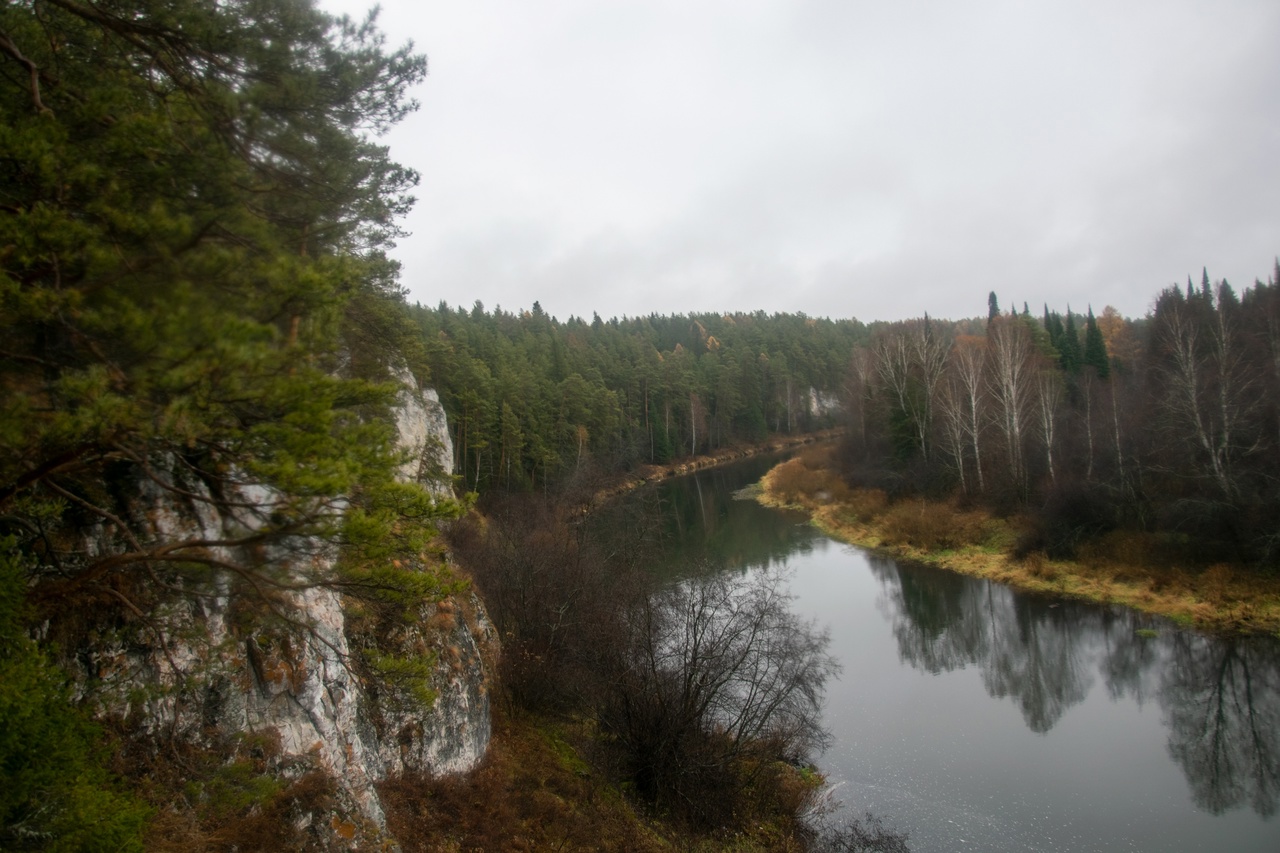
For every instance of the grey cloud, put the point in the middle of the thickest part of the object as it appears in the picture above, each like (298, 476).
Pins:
(838, 158)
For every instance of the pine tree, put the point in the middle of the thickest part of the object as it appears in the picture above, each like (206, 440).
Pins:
(196, 213)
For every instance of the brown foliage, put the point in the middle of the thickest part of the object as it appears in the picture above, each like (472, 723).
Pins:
(1037, 565)
(550, 594)
(793, 480)
(932, 526)
(798, 480)
(1131, 549)
(865, 505)
(236, 795)
(1215, 583)
(531, 793)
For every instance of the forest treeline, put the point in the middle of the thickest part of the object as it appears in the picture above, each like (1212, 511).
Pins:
(1167, 424)
(531, 398)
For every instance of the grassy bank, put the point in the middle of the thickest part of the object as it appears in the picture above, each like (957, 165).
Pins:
(1137, 570)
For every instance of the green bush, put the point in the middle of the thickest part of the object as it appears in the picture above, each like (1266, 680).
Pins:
(55, 793)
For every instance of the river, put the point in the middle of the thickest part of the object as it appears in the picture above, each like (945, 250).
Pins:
(975, 717)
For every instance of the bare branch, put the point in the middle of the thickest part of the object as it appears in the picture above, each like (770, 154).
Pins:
(33, 72)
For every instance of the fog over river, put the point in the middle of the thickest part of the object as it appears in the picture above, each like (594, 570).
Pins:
(979, 718)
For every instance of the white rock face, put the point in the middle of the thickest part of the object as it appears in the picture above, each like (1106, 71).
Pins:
(424, 432)
(298, 680)
(453, 735)
(822, 403)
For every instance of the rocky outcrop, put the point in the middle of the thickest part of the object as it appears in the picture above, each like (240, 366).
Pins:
(424, 432)
(292, 668)
(824, 404)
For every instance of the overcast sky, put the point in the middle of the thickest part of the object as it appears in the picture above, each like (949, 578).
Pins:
(846, 159)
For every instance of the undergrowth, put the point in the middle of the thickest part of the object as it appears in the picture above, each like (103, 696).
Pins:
(552, 784)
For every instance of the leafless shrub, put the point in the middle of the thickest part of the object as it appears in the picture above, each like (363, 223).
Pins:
(716, 682)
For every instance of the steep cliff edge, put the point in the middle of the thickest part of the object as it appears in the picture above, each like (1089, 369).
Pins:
(327, 682)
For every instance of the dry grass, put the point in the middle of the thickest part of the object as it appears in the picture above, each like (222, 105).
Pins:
(536, 791)
(932, 526)
(531, 793)
(1139, 570)
(793, 482)
(865, 505)
(239, 794)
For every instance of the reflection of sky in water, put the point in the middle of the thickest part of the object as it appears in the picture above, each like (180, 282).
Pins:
(695, 520)
(980, 719)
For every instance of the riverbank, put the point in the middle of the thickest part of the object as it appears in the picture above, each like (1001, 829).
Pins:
(646, 474)
(1126, 568)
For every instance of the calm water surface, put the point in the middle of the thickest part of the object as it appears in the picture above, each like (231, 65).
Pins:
(977, 718)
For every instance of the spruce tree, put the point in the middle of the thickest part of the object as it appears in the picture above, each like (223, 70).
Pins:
(1069, 346)
(1095, 348)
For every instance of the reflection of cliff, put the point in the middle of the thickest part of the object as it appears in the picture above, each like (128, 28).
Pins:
(1220, 698)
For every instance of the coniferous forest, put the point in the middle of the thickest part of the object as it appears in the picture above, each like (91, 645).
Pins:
(531, 398)
(205, 346)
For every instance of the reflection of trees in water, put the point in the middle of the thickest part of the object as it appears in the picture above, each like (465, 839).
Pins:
(1221, 701)
(695, 521)
(1036, 658)
(1027, 650)
(930, 612)
(1220, 698)
(1130, 662)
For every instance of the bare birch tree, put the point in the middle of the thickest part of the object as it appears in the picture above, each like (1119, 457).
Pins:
(1206, 386)
(1048, 402)
(1011, 381)
(967, 372)
(954, 418)
(910, 359)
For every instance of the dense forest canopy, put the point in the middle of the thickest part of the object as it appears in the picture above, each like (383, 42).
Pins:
(1169, 422)
(532, 398)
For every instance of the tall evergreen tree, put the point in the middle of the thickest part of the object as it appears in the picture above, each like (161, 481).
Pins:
(1095, 348)
(1069, 346)
(195, 216)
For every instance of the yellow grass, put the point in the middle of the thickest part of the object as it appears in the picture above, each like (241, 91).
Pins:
(1120, 568)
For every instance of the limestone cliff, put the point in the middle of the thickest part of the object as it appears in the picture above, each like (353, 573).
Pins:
(206, 666)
